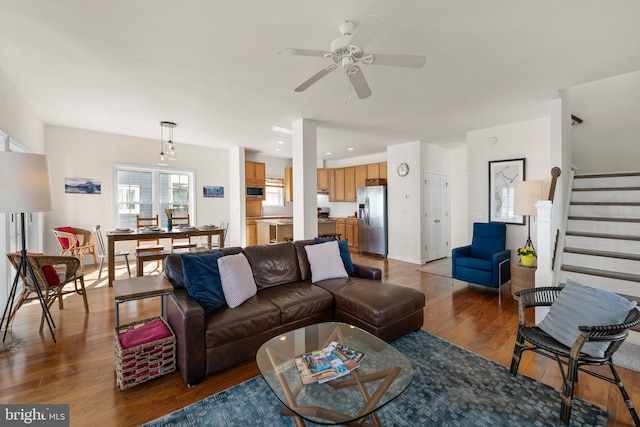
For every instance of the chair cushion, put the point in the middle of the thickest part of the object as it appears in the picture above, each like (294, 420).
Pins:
(202, 280)
(343, 245)
(274, 264)
(580, 305)
(64, 242)
(50, 272)
(325, 261)
(238, 284)
(475, 263)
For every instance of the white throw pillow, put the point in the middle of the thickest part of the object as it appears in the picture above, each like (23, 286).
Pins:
(325, 261)
(237, 280)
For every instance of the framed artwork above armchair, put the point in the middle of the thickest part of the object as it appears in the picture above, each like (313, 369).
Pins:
(503, 174)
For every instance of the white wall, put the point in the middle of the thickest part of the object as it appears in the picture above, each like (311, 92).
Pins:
(529, 140)
(19, 121)
(458, 210)
(404, 201)
(86, 154)
(607, 140)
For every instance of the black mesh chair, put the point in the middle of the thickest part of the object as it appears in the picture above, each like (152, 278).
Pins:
(571, 357)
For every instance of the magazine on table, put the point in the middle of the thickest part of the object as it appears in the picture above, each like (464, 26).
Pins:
(350, 352)
(333, 361)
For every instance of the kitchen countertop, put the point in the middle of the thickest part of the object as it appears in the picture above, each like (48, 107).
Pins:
(281, 221)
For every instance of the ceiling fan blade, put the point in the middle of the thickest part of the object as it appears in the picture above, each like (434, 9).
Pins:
(370, 27)
(397, 60)
(302, 52)
(358, 82)
(317, 76)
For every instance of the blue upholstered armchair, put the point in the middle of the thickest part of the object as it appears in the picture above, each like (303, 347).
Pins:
(485, 261)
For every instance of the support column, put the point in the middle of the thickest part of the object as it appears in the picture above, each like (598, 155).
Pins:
(305, 179)
(546, 237)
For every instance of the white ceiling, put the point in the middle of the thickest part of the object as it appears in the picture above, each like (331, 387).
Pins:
(122, 66)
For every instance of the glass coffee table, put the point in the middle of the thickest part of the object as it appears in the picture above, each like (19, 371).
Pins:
(383, 374)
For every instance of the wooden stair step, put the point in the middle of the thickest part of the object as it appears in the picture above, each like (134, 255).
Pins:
(605, 203)
(608, 254)
(608, 189)
(602, 273)
(607, 175)
(603, 235)
(602, 218)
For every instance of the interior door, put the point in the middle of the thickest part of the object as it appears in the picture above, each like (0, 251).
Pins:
(436, 217)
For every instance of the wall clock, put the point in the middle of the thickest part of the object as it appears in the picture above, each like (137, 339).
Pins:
(403, 169)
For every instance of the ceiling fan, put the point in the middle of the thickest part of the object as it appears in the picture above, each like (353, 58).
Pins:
(347, 51)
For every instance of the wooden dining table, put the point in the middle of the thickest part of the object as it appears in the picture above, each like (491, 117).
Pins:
(117, 236)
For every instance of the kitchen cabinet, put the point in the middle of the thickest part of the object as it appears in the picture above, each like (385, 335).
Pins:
(373, 171)
(350, 184)
(253, 207)
(254, 171)
(332, 184)
(340, 227)
(323, 179)
(252, 232)
(288, 184)
(351, 232)
(361, 175)
(339, 184)
(382, 170)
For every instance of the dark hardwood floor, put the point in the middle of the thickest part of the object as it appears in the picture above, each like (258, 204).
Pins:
(79, 369)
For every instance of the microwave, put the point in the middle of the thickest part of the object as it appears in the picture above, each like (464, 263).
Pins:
(253, 191)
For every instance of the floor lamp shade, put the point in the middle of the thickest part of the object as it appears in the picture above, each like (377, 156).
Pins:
(25, 185)
(525, 196)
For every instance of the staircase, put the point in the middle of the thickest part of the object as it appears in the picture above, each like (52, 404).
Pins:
(602, 238)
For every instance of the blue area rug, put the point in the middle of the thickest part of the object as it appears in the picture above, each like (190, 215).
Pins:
(451, 387)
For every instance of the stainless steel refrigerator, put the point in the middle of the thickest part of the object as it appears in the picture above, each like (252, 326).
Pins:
(372, 219)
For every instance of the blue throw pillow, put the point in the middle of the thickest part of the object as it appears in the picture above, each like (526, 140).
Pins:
(202, 279)
(580, 305)
(343, 245)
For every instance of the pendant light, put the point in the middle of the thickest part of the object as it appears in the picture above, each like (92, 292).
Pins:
(172, 150)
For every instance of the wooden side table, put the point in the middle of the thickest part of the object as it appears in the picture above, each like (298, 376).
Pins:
(138, 288)
(522, 277)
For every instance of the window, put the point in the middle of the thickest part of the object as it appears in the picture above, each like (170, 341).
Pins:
(147, 192)
(273, 192)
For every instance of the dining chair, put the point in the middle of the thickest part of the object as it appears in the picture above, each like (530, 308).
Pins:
(148, 244)
(224, 226)
(52, 273)
(76, 242)
(182, 242)
(102, 251)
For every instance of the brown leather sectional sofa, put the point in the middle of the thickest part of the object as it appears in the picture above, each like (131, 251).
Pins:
(286, 300)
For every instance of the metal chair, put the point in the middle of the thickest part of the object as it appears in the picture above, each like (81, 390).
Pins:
(51, 280)
(76, 242)
(571, 357)
(102, 251)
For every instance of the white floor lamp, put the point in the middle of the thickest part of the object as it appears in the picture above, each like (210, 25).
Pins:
(24, 187)
(525, 196)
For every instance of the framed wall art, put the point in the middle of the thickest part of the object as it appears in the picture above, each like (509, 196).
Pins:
(212, 191)
(82, 186)
(503, 174)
